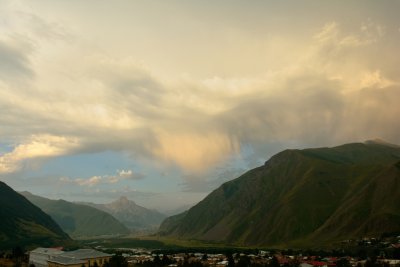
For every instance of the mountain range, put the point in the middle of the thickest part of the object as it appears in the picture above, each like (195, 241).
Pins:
(133, 216)
(301, 198)
(79, 221)
(24, 224)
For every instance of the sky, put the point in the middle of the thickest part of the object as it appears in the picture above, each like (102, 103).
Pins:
(163, 101)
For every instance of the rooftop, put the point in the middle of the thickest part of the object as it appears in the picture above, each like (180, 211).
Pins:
(48, 251)
(85, 254)
(66, 260)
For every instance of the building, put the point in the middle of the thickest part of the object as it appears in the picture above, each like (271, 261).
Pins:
(44, 257)
(61, 261)
(40, 256)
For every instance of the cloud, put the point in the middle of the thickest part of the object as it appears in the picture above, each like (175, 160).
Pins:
(92, 181)
(37, 148)
(200, 183)
(15, 63)
(23, 33)
(130, 175)
(103, 179)
(194, 183)
(195, 151)
(125, 174)
(196, 125)
(84, 99)
(375, 79)
(332, 35)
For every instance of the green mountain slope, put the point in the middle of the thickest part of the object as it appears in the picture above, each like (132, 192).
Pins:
(24, 224)
(302, 198)
(79, 221)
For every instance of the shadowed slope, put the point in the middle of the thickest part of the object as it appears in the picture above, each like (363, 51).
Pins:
(24, 224)
(80, 221)
(302, 198)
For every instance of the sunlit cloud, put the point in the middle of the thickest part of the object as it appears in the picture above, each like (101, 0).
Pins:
(103, 179)
(375, 79)
(332, 34)
(198, 124)
(40, 147)
(195, 151)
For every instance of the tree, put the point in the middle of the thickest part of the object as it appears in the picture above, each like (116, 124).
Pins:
(157, 260)
(17, 252)
(165, 260)
(244, 261)
(118, 261)
(274, 262)
(231, 261)
(396, 253)
(17, 255)
(343, 262)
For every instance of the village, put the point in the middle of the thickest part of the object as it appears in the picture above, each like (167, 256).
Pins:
(55, 257)
(366, 252)
(131, 257)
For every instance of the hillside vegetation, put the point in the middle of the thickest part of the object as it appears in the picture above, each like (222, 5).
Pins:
(301, 198)
(79, 221)
(24, 224)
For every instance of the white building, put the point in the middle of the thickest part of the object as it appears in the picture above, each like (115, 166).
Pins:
(45, 257)
(40, 256)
